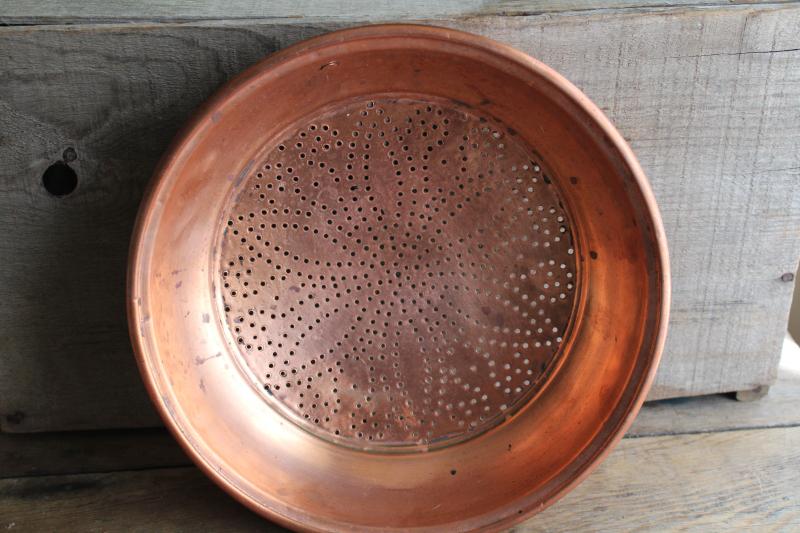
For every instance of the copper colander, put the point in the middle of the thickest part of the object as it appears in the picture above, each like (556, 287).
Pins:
(398, 277)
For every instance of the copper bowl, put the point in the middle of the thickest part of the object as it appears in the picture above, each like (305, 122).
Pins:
(398, 277)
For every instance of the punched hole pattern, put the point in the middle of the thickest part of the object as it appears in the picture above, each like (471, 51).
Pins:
(398, 272)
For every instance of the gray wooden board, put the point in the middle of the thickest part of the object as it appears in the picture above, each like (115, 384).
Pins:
(732, 481)
(718, 412)
(739, 480)
(77, 452)
(19, 12)
(709, 100)
(168, 499)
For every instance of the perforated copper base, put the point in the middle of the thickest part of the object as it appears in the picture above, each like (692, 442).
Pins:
(398, 272)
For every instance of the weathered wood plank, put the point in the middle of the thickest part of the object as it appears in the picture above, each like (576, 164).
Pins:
(709, 99)
(781, 407)
(75, 452)
(19, 12)
(739, 480)
(117, 98)
(648, 484)
(169, 499)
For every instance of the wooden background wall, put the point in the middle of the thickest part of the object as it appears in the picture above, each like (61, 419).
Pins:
(708, 96)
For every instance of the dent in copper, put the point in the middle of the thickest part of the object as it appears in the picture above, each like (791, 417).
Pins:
(398, 239)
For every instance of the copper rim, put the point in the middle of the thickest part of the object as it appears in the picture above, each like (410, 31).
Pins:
(453, 344)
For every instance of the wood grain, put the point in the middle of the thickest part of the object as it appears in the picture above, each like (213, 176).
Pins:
(708, 98)
(718, 412)
(117, 96)
(714, 481)
(22, 12)
(738, 480)
(170, 499)
(76, 452)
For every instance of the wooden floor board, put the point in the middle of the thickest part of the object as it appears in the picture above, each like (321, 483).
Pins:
(737, 480)
(733, 480)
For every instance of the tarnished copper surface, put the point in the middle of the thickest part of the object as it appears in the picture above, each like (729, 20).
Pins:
(395, 278)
